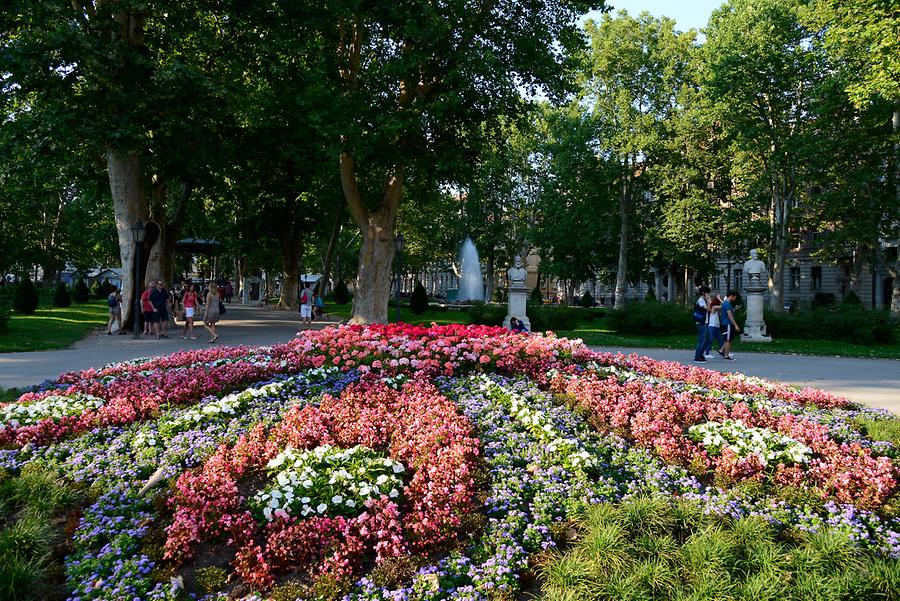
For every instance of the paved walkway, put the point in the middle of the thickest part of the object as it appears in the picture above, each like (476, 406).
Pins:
(875, 382)
(240, 325)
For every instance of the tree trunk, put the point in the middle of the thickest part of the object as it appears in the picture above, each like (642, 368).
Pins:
(373, 281)
(622, 271)
(776, 273)
(489, 276)
(126, 186)
(325, 288)
(290, 266)
(895, 270)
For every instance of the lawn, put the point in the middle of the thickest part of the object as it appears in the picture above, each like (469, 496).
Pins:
(596, 334)
(53, 328)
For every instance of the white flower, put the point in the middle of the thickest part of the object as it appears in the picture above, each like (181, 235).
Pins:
(337, 499)
(322, 507)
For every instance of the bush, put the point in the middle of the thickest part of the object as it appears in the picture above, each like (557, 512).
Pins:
(851, 299)
(536, 296)
(650, 296)
(62, 298)
(823, 299)
(418, 302)
(553, 318)
(4, 315)
(101, 291)
(80, 293)
(341, 294)
(587, 300)
(497, 296)
(486, 314)
(651, 319)
(25, 298)
(840, 323)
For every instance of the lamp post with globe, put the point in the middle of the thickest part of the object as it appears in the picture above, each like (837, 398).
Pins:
(137, 234)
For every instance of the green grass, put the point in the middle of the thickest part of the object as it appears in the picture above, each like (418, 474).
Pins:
(29, 503)
(668, 549)
(596, 334)
(53, 328)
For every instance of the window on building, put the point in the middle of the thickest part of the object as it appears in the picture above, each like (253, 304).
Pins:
(815, 275)
(795, 278)
(738, 279)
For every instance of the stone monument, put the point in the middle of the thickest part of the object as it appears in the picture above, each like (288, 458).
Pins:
(755, 327)
(517, 294)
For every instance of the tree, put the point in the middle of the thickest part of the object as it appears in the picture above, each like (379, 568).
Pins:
(760, 69)
(440, 71)
(61, 297)
(636, 67)
(25, 297)
(865, 36)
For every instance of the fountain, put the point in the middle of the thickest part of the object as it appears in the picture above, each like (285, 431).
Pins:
(471, 286)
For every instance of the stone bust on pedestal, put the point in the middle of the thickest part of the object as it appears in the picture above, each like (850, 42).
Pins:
(517, 274)
(517, 295)
(754, 268)
(755, 326)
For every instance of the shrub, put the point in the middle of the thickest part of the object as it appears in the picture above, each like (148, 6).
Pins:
(651, 319)
(95, 290)
(587, 300)
(418, 302)
(842, 323)
(80, 293)
(823, 299)
(553, 318)
(211, 579)
(104, 289)
(851, 299)
(650, 296)
(497, 296)
(486, 314)
(536, 296)
(341, 294)
(62, 298)
(25, 298)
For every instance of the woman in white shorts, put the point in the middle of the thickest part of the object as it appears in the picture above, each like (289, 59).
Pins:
(189, 302)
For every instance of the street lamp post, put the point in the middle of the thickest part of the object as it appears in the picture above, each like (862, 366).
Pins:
(398, 246)
(137, 234)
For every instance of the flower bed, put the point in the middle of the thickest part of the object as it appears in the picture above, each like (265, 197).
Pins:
(400, 462)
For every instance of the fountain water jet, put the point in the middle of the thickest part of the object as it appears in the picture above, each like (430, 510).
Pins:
(471, 286)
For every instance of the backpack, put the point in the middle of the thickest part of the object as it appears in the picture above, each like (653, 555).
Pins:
(304, 297)
(111, 301)
(700, 314)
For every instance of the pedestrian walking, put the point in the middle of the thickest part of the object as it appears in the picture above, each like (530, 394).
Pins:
(114, 300)
(189, 301)
(212, 312)
(715, 332)
(148, 310)
(701, 318)
(159, 297)
(229, 291)
(729, 326)
(306, 305)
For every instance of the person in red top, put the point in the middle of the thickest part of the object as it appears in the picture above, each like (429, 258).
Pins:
(149, 311)
(189, 301)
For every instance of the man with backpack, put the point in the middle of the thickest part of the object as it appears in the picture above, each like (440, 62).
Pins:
(306, 305)
(701, 318)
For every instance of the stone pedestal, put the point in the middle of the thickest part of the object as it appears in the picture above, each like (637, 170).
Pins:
(755, 327)
(517, 298)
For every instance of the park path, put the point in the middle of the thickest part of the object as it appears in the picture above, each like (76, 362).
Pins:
(254, 326)
(875, 382)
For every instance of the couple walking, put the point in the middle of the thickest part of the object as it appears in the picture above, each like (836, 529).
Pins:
(715, 321)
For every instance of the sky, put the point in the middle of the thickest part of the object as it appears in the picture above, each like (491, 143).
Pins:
(687, 13)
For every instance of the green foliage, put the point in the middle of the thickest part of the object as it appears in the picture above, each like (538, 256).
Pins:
(586, 299)
(844, 322)
(25, 297)
(880, 429)
(851, 300)
(4, 315)
(341, 293)
(418, 302)
(535, 296)
(650, 297)
(80, 292)
(545, 318)
(102, 290)
(486, 314)
(62, 298)
(650, 318)
(669, 549)
(27, 504)
(211, 579)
